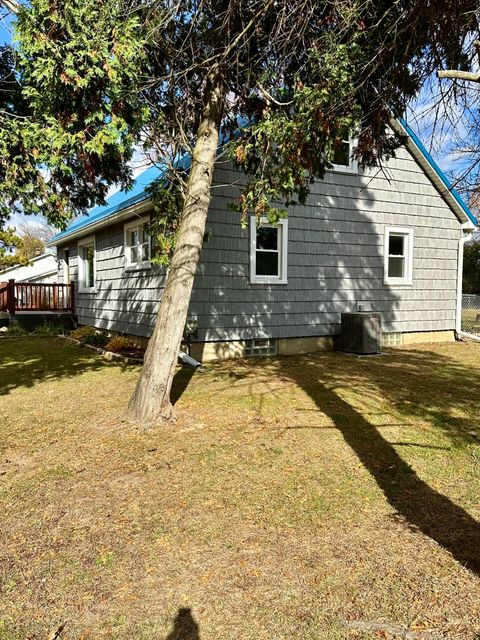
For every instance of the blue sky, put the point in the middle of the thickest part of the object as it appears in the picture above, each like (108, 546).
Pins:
(421, 117)
(4, 30)
(441, 135)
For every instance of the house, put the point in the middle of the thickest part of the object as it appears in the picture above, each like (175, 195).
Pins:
(42, 268)
(387, 240)
(30, 294)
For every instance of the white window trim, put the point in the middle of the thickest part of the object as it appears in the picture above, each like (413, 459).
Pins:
(134, 266)
(353, 164)
(66, 267)
(407, 279)
(81, 265)
(283, 252)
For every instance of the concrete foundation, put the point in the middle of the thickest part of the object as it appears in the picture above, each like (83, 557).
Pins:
(208, 351)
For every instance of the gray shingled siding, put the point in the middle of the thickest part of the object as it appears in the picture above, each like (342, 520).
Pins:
(124, 301)
(335, 259)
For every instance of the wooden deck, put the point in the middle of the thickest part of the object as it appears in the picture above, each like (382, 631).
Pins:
(21, 297)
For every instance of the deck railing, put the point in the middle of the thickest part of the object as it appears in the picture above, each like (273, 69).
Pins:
(38, 296)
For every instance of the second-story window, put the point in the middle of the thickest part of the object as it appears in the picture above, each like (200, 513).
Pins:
(342, 159)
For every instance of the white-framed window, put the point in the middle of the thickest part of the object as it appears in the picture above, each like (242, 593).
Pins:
(137, 244)
(342, 159)
(398, 256)
(268, 251)
(86, 264)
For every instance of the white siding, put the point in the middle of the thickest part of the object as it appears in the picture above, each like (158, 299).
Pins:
(41, 269)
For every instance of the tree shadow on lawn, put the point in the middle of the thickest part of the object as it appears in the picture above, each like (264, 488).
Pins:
(417, 383)
(26, 362)
(181, 380)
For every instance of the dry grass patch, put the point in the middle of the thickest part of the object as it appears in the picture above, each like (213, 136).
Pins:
(292, 495)
(470, 321)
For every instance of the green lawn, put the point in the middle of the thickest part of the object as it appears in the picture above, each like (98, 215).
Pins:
(469, 321)
(294, 498)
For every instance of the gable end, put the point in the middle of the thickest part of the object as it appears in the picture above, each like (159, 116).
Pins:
(433, 172)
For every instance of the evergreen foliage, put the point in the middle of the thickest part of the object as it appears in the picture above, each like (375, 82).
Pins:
(18, 248)
(10, 245)
(90, 79)
(69, 106)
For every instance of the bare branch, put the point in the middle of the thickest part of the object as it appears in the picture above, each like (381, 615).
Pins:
(459, 75)
(272, 99)
(12, 5)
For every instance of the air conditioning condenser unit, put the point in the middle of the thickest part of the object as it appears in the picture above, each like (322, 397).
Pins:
(361, 332)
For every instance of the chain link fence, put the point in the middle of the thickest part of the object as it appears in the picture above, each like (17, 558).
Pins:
(471, 314)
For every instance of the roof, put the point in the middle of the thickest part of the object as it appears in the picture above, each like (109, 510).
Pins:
(121, 203)
(45, 264)
(117, 202)
(439, 173)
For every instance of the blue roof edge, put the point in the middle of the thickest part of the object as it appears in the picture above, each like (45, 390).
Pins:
(139, 193)
(421, 147)
(101, 215)
(121, 200)
(117, 202)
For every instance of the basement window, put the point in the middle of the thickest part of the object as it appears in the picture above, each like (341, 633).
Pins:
(398, 256)
(268, 251)
(261, 347)
(137, 245)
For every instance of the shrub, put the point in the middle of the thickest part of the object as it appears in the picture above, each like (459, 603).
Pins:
(82, 332)
(49, 329)
(90, 335)
(16, 330)
(119, 344)
(99, 339)
(471, 267)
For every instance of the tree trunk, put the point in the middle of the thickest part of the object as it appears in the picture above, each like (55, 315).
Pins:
(150, 401)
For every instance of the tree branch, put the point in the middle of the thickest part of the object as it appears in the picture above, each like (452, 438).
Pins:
(476, 44)
(462, 75)
(271, 98)
(459, 75)
(12, 5)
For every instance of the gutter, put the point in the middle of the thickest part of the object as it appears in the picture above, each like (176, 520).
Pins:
(458, 319)
(137, 209)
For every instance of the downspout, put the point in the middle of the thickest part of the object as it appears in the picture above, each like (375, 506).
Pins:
(466, 231)
(187, 359)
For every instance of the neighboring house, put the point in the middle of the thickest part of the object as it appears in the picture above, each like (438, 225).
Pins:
(42, 268)
(386, 240)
